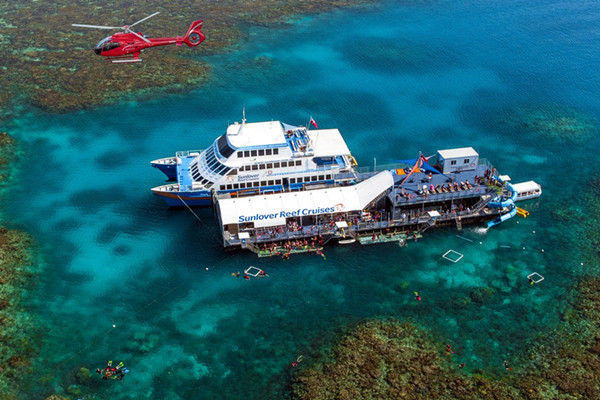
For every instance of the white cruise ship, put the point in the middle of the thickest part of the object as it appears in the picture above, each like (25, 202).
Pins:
(256, 158)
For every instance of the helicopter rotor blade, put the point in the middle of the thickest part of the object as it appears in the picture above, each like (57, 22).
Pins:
(98, 26)
(138, 35)
(149, 16)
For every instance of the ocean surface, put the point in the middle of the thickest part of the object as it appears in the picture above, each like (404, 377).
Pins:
(517, 80)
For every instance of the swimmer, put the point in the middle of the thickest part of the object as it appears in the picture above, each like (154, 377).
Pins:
(531, 282)
(461, 366)
(298, 361)
(417, 297)
(506, 366)
(246, 276)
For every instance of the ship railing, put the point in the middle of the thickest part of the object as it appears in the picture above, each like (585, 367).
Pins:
(436, 197)
(186, 153)
(380, 167)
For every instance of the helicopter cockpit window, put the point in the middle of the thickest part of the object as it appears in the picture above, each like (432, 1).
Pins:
(110, 46)
(101, 43)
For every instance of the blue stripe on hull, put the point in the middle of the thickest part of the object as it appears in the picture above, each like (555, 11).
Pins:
(192, 200)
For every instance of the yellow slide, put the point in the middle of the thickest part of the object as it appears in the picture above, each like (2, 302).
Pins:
(522, 213)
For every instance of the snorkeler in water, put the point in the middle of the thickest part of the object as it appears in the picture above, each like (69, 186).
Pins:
(111, 372)
(417, 297)
(298, 361)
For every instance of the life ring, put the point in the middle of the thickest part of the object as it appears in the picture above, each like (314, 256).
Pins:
(269, 172)
(472, 164)
(412, 196)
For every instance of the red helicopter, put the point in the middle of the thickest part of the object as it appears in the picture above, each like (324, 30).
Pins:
(126, 46)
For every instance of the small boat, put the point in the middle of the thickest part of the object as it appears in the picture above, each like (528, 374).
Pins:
(527, 190)
(347, 241)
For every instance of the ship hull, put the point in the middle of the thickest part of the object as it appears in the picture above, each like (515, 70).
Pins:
(167, 168)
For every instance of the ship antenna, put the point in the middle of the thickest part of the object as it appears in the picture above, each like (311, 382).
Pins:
(243, 115)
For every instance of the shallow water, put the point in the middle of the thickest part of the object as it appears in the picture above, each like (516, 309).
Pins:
(395, 79)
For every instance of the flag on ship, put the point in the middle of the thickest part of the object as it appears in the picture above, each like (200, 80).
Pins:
(313, 123)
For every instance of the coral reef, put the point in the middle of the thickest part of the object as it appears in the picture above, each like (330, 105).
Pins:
(392, 360)
(18, 328)
(51, 63)
(8, 148)
(551, 122)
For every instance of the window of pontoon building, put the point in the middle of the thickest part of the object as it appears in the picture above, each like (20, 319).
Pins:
(466, 161)
(453, 162)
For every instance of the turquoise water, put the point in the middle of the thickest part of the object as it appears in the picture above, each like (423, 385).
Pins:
(395, 79)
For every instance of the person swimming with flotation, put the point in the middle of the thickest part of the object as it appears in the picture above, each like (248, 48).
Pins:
(417, 297)
(298, 361)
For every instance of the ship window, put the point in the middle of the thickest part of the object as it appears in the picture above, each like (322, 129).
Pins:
(466, 161)
(261, 152)
(328, 176)
(246, 153)
(453, 162)
(321, 177)
(269, 165)
(253, 153)
(292, 180)
(263, 183)
(254, 167)
(243, 185)
(313, 178)
(236, 186)
(224, 147)
(283, 164)
(240, 154)
(229, 187)
(222, 187)
(261, 166)
(278, 181)
(275, 152)
(298, 163)
(268, 152)
(270, 183)
(255, 184)
(300, 180)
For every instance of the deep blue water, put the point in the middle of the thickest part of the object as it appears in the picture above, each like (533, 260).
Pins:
(395, 79)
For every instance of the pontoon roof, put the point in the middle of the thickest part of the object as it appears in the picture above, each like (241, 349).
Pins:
(458, 153)
(271, 210)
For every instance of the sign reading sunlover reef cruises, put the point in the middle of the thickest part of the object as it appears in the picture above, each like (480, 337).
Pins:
(296, 213)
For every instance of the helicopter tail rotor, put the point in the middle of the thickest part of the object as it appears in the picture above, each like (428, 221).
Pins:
(194, 35)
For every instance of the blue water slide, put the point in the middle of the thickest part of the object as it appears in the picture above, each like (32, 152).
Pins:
(500, 202)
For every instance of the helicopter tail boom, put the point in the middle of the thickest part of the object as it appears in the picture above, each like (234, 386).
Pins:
(194, 35)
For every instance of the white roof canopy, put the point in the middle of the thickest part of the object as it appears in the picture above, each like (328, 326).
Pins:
(256, 134)
(270, 210)
(328, 142)
(458, 153)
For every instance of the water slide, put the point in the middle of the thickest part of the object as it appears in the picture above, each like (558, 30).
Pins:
(500, 202)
